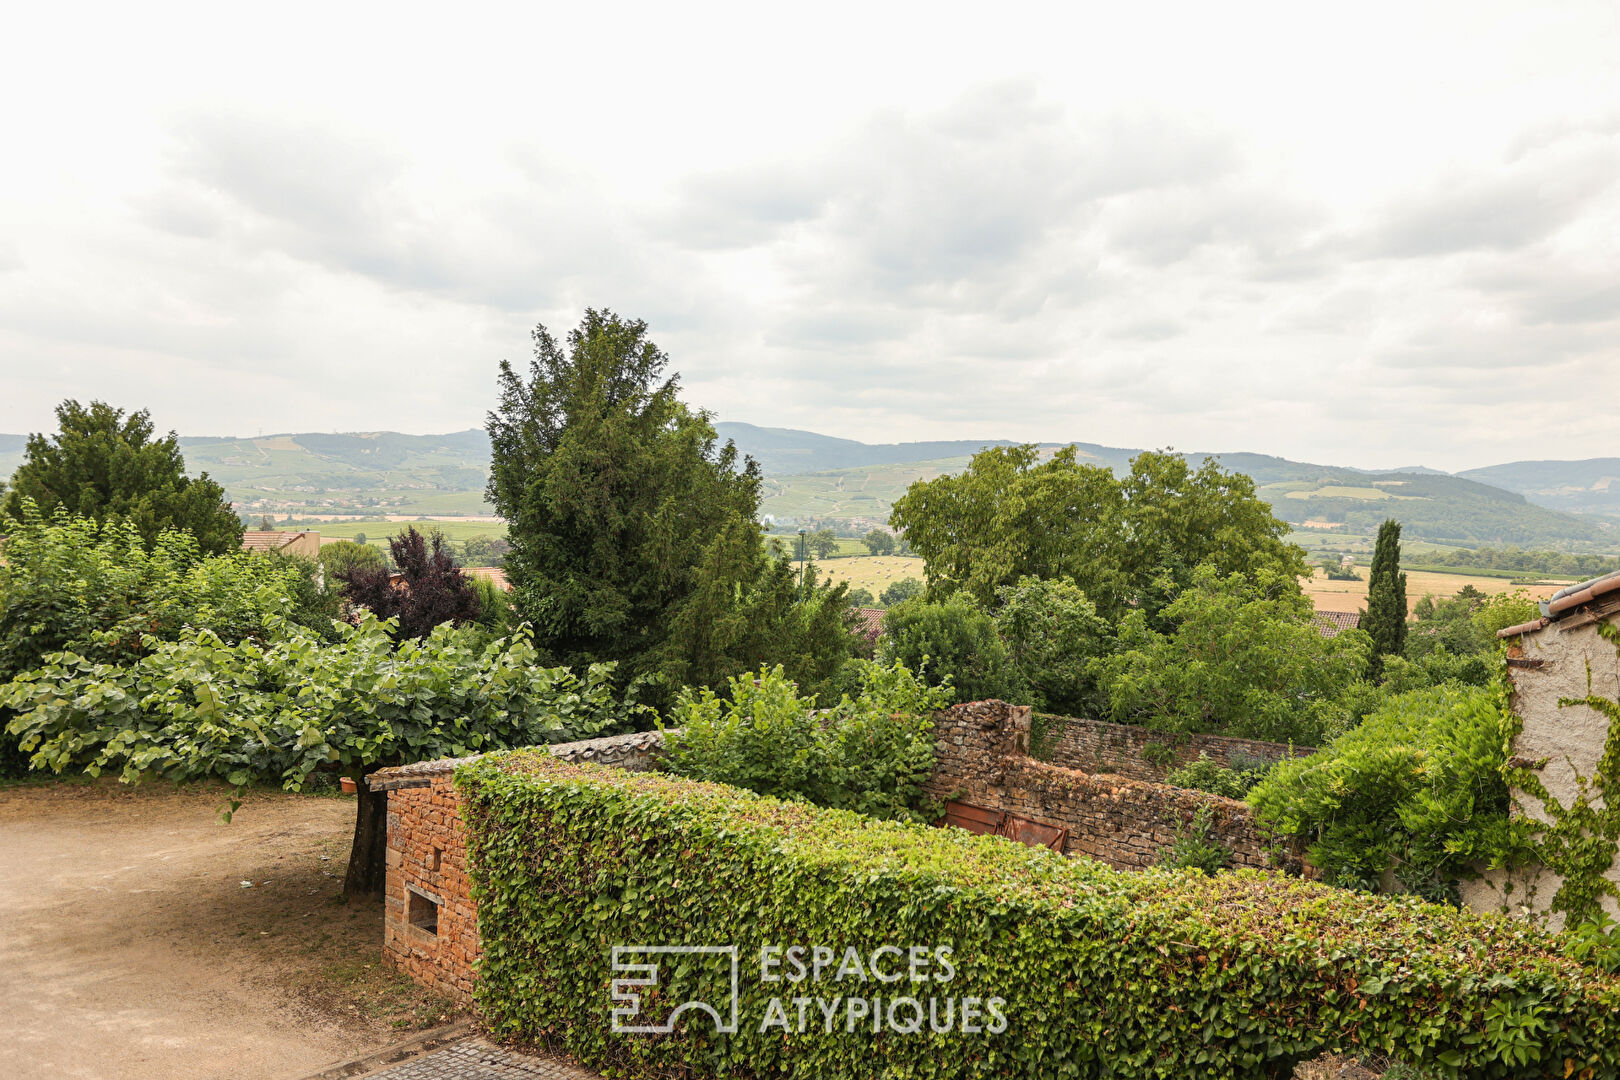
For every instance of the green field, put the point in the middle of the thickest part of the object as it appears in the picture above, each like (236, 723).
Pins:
(865, 493)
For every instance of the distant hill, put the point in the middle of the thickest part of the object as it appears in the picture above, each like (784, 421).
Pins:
(1579, 487)
(812, 476)
(786, 452)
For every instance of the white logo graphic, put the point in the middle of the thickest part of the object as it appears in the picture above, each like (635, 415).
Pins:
(627, 1003)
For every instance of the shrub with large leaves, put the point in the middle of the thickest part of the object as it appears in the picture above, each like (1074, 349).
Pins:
(102, 591)
(1417, 792)
(278, 711)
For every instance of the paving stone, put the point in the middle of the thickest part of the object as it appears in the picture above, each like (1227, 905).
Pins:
(479, 1059)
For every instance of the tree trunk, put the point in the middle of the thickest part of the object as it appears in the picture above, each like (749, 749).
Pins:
(368, 857)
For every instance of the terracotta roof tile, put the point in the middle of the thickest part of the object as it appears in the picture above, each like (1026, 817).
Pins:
(1333, 623)
(867, 622)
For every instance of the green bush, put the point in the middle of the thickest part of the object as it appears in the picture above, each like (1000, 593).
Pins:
(1195, 846)
(1054, 636)
(1417, 791)
(1205, 775)
(1243, 657)
(870, 753)
(955, 639)
(1103, 973)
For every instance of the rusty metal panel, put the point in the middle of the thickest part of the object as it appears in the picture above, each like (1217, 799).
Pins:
(975, 819)
(1034, 833)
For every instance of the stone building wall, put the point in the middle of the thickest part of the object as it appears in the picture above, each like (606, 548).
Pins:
(1559, 659)
(1126, 823)
(1095, 746)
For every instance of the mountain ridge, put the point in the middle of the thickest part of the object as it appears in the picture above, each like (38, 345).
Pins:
(810, 475)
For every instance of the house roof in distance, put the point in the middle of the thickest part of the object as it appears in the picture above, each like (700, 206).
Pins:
(270, 539)
(1333, 623)
(867, 622)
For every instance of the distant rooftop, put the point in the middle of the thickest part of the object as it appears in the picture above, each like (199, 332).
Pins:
(1333, 623)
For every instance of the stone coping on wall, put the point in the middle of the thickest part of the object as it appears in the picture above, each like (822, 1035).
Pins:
(632, 751)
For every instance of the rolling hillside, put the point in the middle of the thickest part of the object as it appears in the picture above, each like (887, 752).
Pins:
(1579, 487)
(1564, 505)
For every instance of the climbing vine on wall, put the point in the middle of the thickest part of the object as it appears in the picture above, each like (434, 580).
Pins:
(1581, 840)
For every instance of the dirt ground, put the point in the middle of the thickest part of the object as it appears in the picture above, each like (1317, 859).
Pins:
(144, 939)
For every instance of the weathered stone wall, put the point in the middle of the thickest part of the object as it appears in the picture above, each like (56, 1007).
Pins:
(1126, 823)
(1095, 746)
(1564, 743)
(427, 862)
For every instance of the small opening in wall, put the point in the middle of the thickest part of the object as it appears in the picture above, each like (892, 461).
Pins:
(422, 912)
(434, 856)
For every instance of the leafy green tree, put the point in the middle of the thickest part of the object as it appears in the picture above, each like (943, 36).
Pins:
(342, 558)
(105, 594)
(824, 542)
(1129, 544)
(484, 550)
(109, 467)
(879, 542)
(1385, 620)
(861, 598)
(953, 639)
(1245, 658)
(280, 710)
(634, 535)
(904, 589)
(1054, 636)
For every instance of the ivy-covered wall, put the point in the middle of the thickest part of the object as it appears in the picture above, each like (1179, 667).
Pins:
(1564, 769)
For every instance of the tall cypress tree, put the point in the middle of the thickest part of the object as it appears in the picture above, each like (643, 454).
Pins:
(1385, 619)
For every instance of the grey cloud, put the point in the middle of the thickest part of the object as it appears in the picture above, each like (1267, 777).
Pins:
(1515, 204)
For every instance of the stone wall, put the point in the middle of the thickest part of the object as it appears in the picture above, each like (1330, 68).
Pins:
(1094, 746)
(430, 930)
(1565, 658)
(1126, 823)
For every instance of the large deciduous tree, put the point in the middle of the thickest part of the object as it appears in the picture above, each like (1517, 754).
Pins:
(633, 532)
(1130, 543)
(107, 466)
(1385, 620)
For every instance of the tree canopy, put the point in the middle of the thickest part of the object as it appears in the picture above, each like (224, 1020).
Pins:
(110, 467)
(1128, 543)
(633, 531)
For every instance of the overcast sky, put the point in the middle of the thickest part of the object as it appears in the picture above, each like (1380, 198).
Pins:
(1379, 235)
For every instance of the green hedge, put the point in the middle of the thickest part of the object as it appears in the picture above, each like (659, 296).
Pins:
(1103, 973)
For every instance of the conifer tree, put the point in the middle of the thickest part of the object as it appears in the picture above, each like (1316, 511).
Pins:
(1385, 618)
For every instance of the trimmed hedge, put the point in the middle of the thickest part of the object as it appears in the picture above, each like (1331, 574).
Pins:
(1104, 973)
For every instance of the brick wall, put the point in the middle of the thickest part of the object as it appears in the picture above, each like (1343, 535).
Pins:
(427, 862)
(427, 879)
(1095, 746)
(1123, 822)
